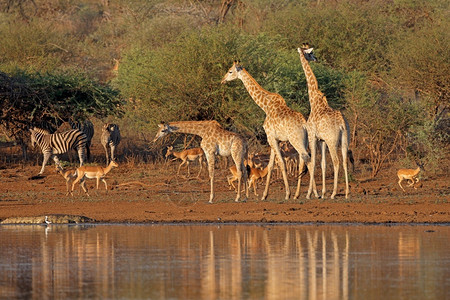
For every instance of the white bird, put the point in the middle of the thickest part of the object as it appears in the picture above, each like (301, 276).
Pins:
(47, 221)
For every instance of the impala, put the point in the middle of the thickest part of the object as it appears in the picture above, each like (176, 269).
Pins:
(409, 174)
(97, 172)
(256, 174)
(186, 156)
(69, 176)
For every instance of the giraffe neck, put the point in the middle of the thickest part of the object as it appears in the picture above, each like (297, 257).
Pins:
(316, 97)
(199, 128)
(258, 94)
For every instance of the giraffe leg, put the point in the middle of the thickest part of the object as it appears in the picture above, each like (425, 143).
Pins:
(301, 166)
(238, 154)
(211, 161)
(312, 165)
(282, 165)
(344, 150)
(335, 160)
(300, 146)
(269, 172)
(323, 165)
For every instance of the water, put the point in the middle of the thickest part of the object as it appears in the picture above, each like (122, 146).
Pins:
(224, 262)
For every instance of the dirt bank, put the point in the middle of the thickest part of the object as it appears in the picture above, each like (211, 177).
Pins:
(151, 193)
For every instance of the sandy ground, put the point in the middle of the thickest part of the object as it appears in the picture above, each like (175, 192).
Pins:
(152, 193)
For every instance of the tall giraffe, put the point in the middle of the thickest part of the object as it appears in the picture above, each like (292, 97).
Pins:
(325, 125)
(215, 140)
(281, 124)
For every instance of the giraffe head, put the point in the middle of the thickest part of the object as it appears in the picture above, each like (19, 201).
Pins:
(307, 52)
(233, 72)
(164, 129)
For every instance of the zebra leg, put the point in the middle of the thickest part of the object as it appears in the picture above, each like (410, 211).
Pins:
(88, 152)
(44, 162)
(113, 148)
(107, 154)
(81, 155)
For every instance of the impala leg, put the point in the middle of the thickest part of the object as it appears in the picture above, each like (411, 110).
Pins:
(200, 161)
(400, 184)
(106, 185)
(83, 186)
(179, 167)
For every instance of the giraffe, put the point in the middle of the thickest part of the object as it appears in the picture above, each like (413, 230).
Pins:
(281, 124)
(215, 140)
(326, 125)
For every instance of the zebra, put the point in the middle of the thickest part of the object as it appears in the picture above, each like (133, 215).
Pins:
(58, 143)
(110, 137)
(88, 129)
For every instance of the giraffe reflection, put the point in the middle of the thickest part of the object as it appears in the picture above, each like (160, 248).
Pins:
(298, 264)
(224, 261)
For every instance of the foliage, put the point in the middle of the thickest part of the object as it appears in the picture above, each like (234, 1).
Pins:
(47, 100)
(384, 63)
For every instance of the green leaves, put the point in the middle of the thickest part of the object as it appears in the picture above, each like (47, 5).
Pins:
(34, 99)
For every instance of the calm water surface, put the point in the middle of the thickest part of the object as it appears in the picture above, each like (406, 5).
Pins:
(224, 262)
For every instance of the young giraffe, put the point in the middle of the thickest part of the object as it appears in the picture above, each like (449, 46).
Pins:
(326, 125)
(281, 124)
(215, 140)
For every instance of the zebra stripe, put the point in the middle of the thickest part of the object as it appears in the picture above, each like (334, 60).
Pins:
(58, 143)
(88, 129)
(110, 137)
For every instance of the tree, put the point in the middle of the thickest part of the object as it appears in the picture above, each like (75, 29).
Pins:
(47, 100)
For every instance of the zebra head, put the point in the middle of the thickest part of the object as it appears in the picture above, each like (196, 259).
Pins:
(33, 137)
(36, 133)
(110, 127)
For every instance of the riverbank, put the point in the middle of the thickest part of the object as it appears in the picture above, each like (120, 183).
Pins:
(152, 194)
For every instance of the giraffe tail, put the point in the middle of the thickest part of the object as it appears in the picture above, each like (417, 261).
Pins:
(304, 171)
(306, 157)
(345, 143)
(352, 161)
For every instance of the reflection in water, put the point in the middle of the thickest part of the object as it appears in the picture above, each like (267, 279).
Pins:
(225, 262)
